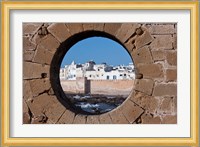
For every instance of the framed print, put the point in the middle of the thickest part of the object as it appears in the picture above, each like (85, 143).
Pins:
(99, 73)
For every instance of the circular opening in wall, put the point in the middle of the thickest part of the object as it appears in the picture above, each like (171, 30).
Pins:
(96, 75)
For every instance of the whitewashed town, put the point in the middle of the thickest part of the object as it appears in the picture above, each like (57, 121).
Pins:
(93, 71)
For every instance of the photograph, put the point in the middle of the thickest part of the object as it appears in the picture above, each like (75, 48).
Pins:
(100, 73)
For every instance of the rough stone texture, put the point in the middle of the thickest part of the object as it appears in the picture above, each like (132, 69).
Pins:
(158, 55)
(126, 31)
(172, 58)
(33, 70)
(149, 119)
(50, 43)
(151, 70)
(161, 29)
(28, 45)
(30, 28)
(144, 85)
(152, 46)
(162, 42)
(131, 111)
(142, 55)
(42, 56)
(118, 117)
(39, 86)
(171, 75)
(169, 119)
(174, 43)
(98, 26)
(112, 28)
(92, 119)
(27, 92)
(166, 105)
(79, 119)
(165, 90)
(143, 39)
(28, 55)
(88, 26)
(149, 103)
(67, 118)
(74, 28)
(26, 116)
(59, 31)
(105, 119)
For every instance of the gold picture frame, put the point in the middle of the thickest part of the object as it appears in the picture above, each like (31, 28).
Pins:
(192, 6)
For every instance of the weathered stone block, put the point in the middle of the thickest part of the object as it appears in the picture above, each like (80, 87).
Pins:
(39, 104)
(117, 117)
(143, 39)
(169, 119)
(144, 85)
(79, 119)
(41, 119)
(112, 28)
(131, 111)
(55, 110)
(48, 105)
(126, 31)
(75, 28)
(26, 118)
(174, 41)
(148, 119)
(172, 58)
(171, 75)
(174, 104)
(165, 90)
(43, 56)
(129, 46)
(33, 70)
(28, 45)
(60, 31)
(39, 85)
(166, 105)
(161, 29)
(27, 93)
(105, 119)
(142, 55)
(98, 26)
(149, 103)
(158, 55)
(28, 55)
(88, 26)
(162, 42)
(150, 70)
(92, 119)
(31, 28)
(67, 117)
(50, 43)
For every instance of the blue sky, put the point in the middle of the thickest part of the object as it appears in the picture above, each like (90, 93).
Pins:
(98, 49)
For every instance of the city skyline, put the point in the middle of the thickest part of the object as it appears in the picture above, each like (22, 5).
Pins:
(98, 49)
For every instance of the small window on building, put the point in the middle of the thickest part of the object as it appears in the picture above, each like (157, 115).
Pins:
(107, 78)
(90, 76)
(114, 77)
(124, 74)
(120, 75)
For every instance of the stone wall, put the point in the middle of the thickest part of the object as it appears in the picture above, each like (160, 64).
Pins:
(105, 87)
(153, 48)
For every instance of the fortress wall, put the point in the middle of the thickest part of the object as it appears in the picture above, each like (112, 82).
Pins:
(106, 87)
(111, 87)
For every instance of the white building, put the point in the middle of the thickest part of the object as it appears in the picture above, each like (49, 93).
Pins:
(97, 71)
